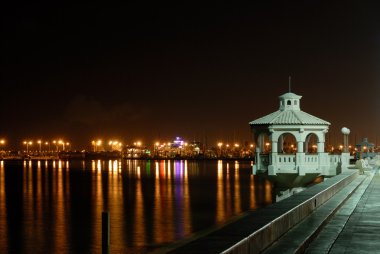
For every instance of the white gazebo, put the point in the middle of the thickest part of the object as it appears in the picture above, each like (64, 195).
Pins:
(291, 141)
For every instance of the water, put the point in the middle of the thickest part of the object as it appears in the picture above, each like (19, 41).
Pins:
(55, 207)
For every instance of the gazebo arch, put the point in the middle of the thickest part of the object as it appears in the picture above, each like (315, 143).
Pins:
(262, 142)
(287, 143)
(311, 143)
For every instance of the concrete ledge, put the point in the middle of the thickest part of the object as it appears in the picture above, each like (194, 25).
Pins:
(259, 229)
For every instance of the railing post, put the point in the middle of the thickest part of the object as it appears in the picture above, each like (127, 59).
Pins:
(105, 232)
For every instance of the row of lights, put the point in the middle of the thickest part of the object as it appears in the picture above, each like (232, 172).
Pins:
(220, 144)
(112, 143)
(28, 143)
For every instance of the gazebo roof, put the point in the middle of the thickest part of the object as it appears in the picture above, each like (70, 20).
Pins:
(289, 117)
(289, 113)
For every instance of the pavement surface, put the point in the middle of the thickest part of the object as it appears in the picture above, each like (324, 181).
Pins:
(356, 226)
(349, 225)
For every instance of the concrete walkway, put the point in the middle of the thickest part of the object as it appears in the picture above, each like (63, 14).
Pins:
(356, 226)
(353, 227)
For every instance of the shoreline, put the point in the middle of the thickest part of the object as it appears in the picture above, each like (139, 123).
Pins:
(120, 158)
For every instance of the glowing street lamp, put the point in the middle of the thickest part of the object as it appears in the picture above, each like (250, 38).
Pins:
(62, 143)
(48, 145)
(56, 146)
(39, 143)
(2, 142)
(220, 144)
(96, 144)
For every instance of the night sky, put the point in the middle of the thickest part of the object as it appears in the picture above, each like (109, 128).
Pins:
(140, 72)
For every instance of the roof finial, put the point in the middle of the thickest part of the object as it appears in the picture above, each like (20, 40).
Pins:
(290, 84)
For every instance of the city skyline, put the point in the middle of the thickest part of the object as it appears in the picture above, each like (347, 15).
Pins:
(146, 73)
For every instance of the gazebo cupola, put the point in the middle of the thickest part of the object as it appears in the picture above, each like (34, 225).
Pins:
(290, 101)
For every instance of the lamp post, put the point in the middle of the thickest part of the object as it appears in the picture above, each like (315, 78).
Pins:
(345, 132)
(2, 142)
(98, 143)
(27, 144)
(220, 148)
(56, 146)
(48, 146)
(62, 143)
(251, 152)
(39, 143)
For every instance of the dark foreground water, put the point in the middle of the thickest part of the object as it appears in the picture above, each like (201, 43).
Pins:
(55, 207)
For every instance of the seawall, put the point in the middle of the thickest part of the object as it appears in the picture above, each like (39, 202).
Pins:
(256, 230)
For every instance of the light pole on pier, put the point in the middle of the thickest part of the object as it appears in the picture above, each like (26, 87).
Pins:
(345, 132)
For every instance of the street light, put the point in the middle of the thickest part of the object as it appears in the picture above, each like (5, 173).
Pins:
(2, 142)
(98, 143)
(27, 143)
(48, 145)
(220, 148)
(61, 143)
(39, 143)
(56, 146)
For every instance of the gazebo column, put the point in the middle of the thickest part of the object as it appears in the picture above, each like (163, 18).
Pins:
(300, 158)
(274, 154)
(261, 142)
(274, 146)
(321, 147)
(300, 146)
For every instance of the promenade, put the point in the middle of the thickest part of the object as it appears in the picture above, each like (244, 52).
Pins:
(342, 215)
(354, 226)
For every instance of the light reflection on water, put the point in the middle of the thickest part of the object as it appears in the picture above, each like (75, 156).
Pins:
(56, 206)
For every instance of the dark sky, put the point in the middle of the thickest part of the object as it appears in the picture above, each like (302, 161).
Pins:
(152, 72)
